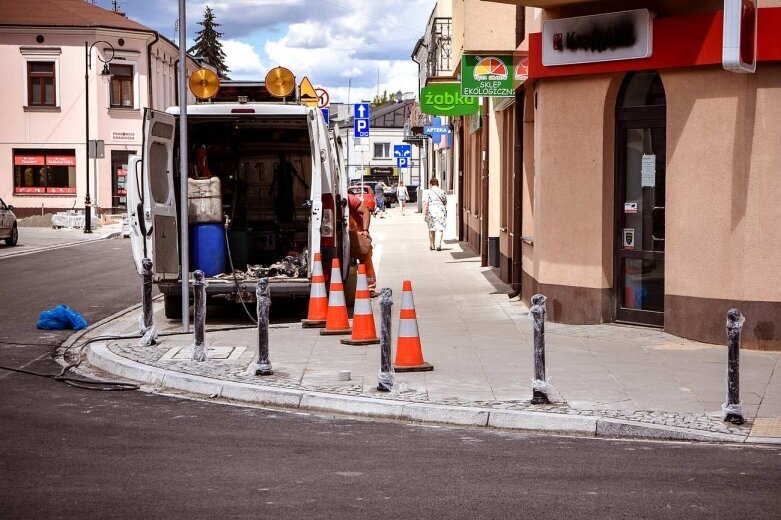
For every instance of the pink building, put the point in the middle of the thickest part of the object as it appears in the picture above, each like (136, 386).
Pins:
(43, 50)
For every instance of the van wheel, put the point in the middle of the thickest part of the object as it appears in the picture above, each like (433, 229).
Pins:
(11, 240)
(173, 307)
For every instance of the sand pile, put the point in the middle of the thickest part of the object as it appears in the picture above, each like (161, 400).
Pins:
(36, 221)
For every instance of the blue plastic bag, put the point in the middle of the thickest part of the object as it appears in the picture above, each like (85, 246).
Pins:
(61, 317)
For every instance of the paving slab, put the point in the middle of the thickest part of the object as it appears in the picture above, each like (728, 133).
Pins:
(608, 379)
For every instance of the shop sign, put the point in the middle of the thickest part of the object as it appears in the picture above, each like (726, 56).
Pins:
(384, 170)
(445, 99)
(61, 160)
(625, 35)
(29, 160)
(521, 70)
(487, 75)
(739, 49)
(118, 135)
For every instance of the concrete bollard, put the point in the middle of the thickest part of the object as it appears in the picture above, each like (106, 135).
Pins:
(732, 410)
(148, 331)
(385, 377)
(199, 320)
(262, 294)
(539, 384)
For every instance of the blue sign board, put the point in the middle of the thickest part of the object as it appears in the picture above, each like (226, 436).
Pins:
(326, 115)
(441, 135)
(402, 150)
(402, 162)
(361, 120)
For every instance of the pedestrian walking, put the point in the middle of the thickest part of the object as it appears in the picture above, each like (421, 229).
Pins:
(379, 199)
(402, 195)
(435, 213)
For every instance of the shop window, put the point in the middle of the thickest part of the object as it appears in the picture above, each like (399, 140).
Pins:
(121, 86)
(51, 172)
(41, 84)
(382, 150)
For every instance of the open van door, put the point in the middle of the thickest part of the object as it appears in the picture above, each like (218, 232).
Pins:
(316, 194)
(344, 212)
(152, 199)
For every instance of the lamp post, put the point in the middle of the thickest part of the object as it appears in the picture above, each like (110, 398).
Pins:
(105, 72)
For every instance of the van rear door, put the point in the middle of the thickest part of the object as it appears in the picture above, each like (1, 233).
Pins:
(156, 220)
(316, 195)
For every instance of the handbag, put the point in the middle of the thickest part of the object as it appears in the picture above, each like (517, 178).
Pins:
(359, 245)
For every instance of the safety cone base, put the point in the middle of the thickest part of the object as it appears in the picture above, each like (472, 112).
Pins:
(337, 332)
(359, 342)
(425, 367)
(312, 324)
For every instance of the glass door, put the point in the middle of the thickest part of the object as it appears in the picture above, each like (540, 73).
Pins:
(640, 205)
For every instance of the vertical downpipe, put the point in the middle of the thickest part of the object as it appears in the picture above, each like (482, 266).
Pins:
(184, 227)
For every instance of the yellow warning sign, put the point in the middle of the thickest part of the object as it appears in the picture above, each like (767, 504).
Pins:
(307, 94)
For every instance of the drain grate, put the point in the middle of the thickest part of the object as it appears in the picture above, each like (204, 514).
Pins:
(184, 353)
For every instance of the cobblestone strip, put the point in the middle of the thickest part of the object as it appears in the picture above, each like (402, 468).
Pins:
(218, 369)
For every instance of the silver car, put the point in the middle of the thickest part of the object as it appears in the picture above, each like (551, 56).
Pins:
(8, 229)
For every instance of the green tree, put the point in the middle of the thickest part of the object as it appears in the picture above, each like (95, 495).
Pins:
(207, 43)
(378, 101)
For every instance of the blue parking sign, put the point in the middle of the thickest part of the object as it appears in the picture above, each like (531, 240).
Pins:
(402, 162)
(361, 120)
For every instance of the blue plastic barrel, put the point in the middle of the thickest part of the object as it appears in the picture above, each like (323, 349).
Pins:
(207, 248)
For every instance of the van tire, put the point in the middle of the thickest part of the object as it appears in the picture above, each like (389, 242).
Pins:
(173, 307)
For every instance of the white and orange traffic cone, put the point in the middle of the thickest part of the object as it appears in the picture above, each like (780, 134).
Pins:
(409, 353)
(364, 331)
(318, 299)
(336, 322)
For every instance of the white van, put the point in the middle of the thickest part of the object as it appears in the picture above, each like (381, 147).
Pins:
(253, 148)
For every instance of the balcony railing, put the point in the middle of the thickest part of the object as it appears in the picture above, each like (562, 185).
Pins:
(440, 51)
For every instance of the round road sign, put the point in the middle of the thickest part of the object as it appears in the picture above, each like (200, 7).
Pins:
(322, 97)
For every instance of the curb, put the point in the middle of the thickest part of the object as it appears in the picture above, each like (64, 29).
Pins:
(101, 357)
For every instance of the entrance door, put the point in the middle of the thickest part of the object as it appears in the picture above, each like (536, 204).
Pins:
(640, 199)
(119, 161)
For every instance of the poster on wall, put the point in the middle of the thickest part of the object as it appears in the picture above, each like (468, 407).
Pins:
(487, 75)
(648, 171)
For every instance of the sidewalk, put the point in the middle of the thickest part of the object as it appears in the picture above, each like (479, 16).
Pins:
(612, 380)
(35, 239)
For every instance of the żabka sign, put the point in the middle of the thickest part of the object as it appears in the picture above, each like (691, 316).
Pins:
(445, 99)
(625, 35)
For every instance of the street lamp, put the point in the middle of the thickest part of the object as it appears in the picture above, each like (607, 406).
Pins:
(105, 73)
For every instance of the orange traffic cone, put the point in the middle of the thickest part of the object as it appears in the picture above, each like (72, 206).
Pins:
(409, 353)
(364, 331)
(318, 299)
(336, 322)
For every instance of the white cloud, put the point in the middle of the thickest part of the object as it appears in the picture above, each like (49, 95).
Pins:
(243, 61)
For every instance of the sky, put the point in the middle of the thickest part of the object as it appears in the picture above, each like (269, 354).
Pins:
(333, 42)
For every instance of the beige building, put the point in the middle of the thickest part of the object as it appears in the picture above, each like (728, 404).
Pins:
(650, 190)
(43, 157)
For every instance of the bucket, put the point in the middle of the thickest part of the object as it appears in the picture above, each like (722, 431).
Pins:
(207, 248)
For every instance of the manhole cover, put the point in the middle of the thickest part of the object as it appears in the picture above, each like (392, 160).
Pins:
(768, 427)
(185, 353)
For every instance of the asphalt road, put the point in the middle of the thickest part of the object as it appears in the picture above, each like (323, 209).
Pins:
(71, 453)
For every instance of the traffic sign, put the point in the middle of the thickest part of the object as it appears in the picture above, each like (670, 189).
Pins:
(361, 121)
(323, 99)
(326, 115)
(402, 150)
(306, 93)
(402, 162)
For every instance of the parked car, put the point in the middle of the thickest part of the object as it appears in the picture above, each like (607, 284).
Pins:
(390, 195)
(8, 227)
(366, 192)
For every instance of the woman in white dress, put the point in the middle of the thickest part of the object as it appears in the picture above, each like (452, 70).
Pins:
(435, 213)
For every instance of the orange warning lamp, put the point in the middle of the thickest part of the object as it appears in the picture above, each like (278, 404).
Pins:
(280, 82)
(204, 84)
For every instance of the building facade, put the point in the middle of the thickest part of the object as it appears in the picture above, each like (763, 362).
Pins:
(43, 151)
(647, 191)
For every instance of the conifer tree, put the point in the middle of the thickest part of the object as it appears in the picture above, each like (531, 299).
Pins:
(207, 43)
